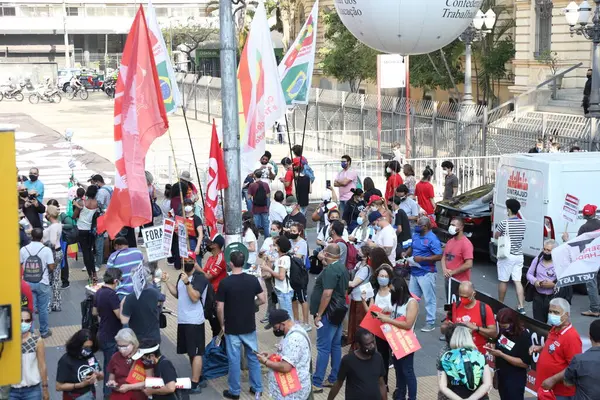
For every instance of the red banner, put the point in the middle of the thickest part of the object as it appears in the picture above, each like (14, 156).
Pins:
(401, 341)
(137, 373)
(288, 383)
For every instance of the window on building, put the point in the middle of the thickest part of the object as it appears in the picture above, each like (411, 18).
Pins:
(73, 11)
(543, 26)
(7, 11)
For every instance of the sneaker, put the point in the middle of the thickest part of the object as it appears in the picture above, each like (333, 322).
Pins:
(443, 338)
(327, 384)
(97, 269)
(170, 264)
(428, 328)
(228, 395)
(83, 269)
(268, 326)
(203, 383)
(522, 310)
(307, 327)
(47, 334)
(253, 391)
(195, 389)
(264, 320)
(65, 286)
(317, 390)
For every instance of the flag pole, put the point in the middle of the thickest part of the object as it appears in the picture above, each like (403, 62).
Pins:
(193, 156)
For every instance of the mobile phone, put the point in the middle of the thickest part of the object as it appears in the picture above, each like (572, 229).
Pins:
(327, 183)
(374, 314)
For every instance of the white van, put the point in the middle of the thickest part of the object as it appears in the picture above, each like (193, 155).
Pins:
(542, 183)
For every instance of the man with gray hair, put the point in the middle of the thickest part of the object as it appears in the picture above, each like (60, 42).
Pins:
(426, 250)
(563, 343)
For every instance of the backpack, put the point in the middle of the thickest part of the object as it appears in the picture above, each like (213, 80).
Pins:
(298, 279)
(110, 192)
(464, 367)
(33, 267)
(208, 304)
(70, 232)
(260, 197)
(308, 171)
(351, 254)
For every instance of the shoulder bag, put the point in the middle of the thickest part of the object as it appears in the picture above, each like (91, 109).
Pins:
(504, 243)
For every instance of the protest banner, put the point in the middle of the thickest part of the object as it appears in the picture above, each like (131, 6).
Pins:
(288, 382)
(168, 229)
(153, 241)
(137, 373)
(401, 341)
(139, 279)
(570, 208)
(372, 324)
(182, 236)
(578, 260)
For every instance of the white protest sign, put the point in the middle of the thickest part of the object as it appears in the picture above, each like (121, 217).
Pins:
(182, 236)
(168, 229)
(571, 208)
(153, 240)
(139, 279)
(578, 260)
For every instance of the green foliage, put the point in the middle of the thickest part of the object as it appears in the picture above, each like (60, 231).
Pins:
(424, 74)
(191, 34)
(550, 59)
(344, 57)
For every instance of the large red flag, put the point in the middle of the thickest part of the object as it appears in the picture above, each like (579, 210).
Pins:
(217, 180)
(140, 117)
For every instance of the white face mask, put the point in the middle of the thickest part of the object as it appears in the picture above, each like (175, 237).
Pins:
(188, 209)
(452, 230)
(445, 172)
(388, 170)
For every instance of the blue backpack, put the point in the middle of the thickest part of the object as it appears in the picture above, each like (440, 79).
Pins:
(308, 171)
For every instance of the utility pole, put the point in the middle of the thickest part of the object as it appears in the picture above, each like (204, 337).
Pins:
(232, 205)
(66, 34)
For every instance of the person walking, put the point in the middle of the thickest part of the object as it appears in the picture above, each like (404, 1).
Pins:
(260, 193)
(587, 90)
(450, 180)
(37, 264)
(511, 267)
(86, 224)
(328, 307)
(345, 181)
(236, 309)
(457, 260)
(583, 372)
(425, 193)
(542, 276)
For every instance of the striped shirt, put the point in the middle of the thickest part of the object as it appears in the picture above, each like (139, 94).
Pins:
(516, 233)
(126, 260)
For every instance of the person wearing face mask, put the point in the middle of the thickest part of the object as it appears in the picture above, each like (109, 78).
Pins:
(329, 201)
(300, 299)
(362, 370)
(385, 236)
(193, 225)
(408, 205)
(107, 306)
(364, 231)
(291, 354)
(78, 369)
(425, 193)
(191, 292)
(215, 270)
(324, 236)
(587, 90)
(34, 378)
(511, 352)
(450, 180)
(542, 276)
(119, 367)
(294, 215)
(377, 203)
(32, 208)
(124, 258)
(539, 147)
(353, 209)
(288, 178)
(51, 238)
(583, 372)
(457, 259)
(34, 184)
(401, 225)
(279, 268)
(162, 367)
(268, 250)
(345, 181)
(360, 275)
(562, 344)
(267, 170)
(394, 180)
(473, 314)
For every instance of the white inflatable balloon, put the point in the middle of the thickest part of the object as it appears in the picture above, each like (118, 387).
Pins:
(407, 26)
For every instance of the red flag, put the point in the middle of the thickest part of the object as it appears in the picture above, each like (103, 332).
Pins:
(217, 180)
(140, 117)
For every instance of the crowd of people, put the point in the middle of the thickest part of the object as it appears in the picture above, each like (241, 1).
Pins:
(376, 254)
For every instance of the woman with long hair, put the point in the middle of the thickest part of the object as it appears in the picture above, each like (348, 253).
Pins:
(268, 250)
(249, 238)
(51, 238)
(361, 275)
(377, 257)
(409, 179)
(279, 268)
(370, 189)
(86, 225)
(424, 192)
(363, 231)
(300, 250)
(165, 203)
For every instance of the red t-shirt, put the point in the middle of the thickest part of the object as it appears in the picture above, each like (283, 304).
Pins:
(559, 350)
(296, 161)
(424, 193)
(26, 296)
(289, 177)
(215, 266)
(473, 315)
(392, 183)
(119, 366)
(455, 253)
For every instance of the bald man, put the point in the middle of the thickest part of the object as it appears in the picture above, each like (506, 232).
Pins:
(476, 315)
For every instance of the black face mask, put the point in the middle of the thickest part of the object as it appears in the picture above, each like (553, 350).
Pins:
(147, 363)
(187, 267)
(293, 236)
(23, 194)
(369, 351)
(33, 178)
(547, 257)
(278, 332)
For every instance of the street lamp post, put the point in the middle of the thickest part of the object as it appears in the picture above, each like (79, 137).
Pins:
(580, 15)
(472, 34)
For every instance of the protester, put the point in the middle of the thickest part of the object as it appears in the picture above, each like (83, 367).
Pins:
(107, 306)
(450, 180)
(250, 238)
(562, 344)
(165, 203)
(298, 158)
(69, 225)
(78, 202)
(455, 381)
(152, 358)
(328, 307)
(194, 227)
(539, 146)
(370, 190)
(103, 198)
(378, 204)
(457, 260)
(583, 372)
(86, 224)
(542, 276)
(424, 192)
(142, 314)
(279, 268)
(249, 180)
(402, 227)
(266, 169)
(293, 353)
(35, 185)
(51, 238)
(268, 250)
(303, 187)
(409, 179)
(394, 180)
(406, 307)
(78, 369)
(426, 250)
(345, 181)
(119, 368)
(329, 202)
(37, 264)
(260, 192)
(277, 211)
(300, 250)
(353, 209)
(32, 208)
(511, 353)
(125, 259)
(191, 292)
(408, 204)
(236, 309)
(179, 192)
(288, 178)
(511, 267)
(191, 192)
(294, 214)
(446, 348)
(361, 275)
(336, 232)
(34, 376)
(362, 370)
(385, 236)
(364, 231)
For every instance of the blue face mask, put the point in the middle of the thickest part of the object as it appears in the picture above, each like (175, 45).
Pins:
(383, 281)
(553, 319)
(344, 164)
(417, 229)
(25, 327)
(359, 220)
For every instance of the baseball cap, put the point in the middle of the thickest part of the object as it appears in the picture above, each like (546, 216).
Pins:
(374, 216)
(589, 210)
(236, 246)
(219, 240)
(374, 198)
(146, 347)
(278, 316)
(191, 255)
(326, 195)
(96, 178)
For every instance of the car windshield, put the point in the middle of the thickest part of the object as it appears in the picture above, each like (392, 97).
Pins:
(483, 194)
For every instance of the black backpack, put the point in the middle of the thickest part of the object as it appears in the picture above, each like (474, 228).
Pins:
(298, 274)
(260, 197)
(70, 232)
(33, 267)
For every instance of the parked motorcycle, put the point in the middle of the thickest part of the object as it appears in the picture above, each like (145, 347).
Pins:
(10, 93)
(109, 87)
(52, 97)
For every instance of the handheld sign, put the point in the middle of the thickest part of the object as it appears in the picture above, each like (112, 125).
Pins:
(168, 229)
(139, 279)
(182, 236)
(570, 208)
(153, 240)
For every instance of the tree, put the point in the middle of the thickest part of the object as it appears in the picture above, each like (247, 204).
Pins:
(188, 35)
(433, 75)
(344, 57)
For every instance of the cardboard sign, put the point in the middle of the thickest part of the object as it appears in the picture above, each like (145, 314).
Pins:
(153, 240)
(571, 208)
(182, 236)
(401, 341)
(168, 229)
(139, 279)
(137, 373)
(288, 383)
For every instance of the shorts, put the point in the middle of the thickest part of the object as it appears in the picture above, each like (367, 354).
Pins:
(300, 296)
(510, 268)
(190, 340)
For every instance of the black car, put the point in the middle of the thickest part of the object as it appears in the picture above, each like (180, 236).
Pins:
(475, 207)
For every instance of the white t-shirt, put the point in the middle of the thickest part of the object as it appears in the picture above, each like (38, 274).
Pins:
(300, 248)
(268, 247)
(52, 234)
(266, 171)
(282, 262)
(43, 252)
(325, 236)
(387, 238)
(249, 237)
(384, 302)
(277, 212)
(363, 273)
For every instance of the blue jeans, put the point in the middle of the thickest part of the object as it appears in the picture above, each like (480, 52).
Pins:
(108, 350)
(342, 206)
(41, 299)
(262, 221)
(424, 287)
(233, 345)
(285, 300)
(26, 393)
(99, 251)
(405, 378)
(193, 244)
(329, 342)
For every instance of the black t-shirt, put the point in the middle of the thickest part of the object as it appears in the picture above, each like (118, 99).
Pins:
(590, 225)
(165, 370)
(402, 220)
(290, 219)
(515, 347)
(362, 376)
(76, 370)
(106, 301)
(302, 189)
(237, 292)
(143, 313)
